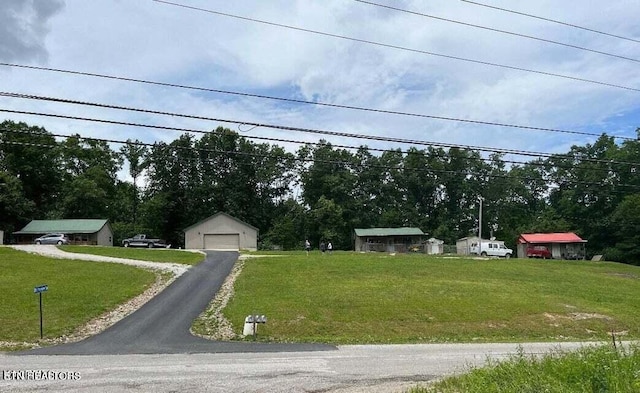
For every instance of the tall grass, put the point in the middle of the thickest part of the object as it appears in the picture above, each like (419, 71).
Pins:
(600, 369)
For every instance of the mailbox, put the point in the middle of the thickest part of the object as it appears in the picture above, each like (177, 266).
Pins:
(250, 324)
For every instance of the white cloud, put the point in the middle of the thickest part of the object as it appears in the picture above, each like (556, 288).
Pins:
(154, 41)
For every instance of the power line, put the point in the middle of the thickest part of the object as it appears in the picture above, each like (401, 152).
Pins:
(293, 158)
(552, 20)
(498, 30)
(254, 125)
(391, 46)
(228, 152)
(295, 129)
(282, 140)
(297, 101)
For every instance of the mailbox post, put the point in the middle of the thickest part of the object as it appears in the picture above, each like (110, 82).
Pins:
(250, 324)
(39, 290)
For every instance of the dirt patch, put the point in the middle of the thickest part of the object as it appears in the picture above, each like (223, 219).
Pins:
(624, 275)
(576, 316)
(580, 316)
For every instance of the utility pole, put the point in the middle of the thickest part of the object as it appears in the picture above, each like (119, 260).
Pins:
(480, 222)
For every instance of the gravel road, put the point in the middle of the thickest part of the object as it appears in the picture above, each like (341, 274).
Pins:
(348, 369)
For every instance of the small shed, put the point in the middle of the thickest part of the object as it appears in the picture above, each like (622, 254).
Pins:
(1, 237)
(221, 232)
(434, 246)
(79, 231)
(564, 245)
(463, 245)
(388, 239)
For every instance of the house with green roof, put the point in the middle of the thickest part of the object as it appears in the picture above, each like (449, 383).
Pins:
(388, 239)
(79, 231)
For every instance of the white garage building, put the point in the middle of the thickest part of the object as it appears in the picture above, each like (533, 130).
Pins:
(221, 232)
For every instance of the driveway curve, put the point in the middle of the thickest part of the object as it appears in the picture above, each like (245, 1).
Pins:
(54, 252)
(161, 326)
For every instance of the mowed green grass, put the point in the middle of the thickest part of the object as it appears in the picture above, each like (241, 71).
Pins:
(78, 291)
(142, 254)
(377, 298)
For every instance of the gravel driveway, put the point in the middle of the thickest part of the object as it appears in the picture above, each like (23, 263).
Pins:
(54, 252)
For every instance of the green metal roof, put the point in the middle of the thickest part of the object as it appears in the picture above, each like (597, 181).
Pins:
(389, 232)
(36, 227)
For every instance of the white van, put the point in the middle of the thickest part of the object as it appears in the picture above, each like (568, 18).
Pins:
(491, 248)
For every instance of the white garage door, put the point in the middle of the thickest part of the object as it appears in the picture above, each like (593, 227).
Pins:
(222, 242)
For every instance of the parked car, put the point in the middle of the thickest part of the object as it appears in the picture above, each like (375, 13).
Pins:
(53, 238)
(142, 240)
(538, 252)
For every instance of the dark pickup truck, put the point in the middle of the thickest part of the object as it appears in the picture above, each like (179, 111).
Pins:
(142, 240)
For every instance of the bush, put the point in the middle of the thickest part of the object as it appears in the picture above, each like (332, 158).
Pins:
(615, 254)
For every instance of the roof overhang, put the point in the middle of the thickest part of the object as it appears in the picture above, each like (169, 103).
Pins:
(385, 232)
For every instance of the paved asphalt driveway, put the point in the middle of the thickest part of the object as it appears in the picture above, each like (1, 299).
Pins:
(161, 326)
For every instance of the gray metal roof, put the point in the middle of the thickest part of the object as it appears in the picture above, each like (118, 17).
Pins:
(372, 232)
(37, 227)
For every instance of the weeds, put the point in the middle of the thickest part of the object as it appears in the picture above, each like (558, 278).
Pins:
(599, 369)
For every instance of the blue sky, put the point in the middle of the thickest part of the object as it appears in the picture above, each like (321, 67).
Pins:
(149, 40)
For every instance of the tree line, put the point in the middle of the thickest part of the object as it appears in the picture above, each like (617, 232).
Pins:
(322, 192)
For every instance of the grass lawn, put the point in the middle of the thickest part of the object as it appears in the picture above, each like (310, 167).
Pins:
(78, 291)
(600, 369)
(348, 298)
(143, 254)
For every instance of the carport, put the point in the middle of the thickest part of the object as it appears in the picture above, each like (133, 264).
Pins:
(564, 245)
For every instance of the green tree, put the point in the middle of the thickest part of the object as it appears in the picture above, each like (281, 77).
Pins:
(172, 202)
(625, 222)
(31, 154)
(328, 174)
(135, 153)
(330, 226)
(90, 176)
(366, 184)
(15, 209)
(587, 189)
(288, 228)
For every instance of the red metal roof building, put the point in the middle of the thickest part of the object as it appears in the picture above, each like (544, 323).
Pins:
(565, 245)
